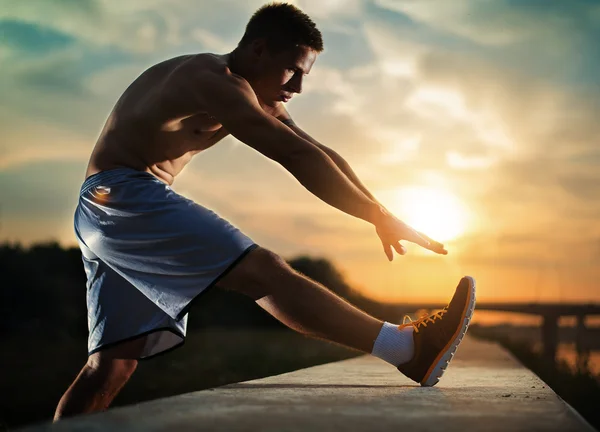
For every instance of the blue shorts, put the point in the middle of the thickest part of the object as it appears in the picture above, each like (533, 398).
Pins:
(147, 253)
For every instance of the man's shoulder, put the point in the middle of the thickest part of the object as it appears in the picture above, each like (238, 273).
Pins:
(191, 64)
(203, 62)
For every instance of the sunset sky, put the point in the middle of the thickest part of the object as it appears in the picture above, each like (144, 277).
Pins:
(478, 122)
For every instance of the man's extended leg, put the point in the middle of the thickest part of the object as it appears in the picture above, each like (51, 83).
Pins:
(301, 303)
(308, 307)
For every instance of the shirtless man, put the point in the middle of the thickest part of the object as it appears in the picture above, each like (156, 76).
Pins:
(148, 252)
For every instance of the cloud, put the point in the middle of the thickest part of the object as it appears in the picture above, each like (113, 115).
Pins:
(210, 41)
(331, 10)
(538, 36)
(458, 160)
(25, 140)
(125, 25)
(501, 22)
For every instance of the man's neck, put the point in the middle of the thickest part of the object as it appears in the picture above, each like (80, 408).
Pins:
(234, 63)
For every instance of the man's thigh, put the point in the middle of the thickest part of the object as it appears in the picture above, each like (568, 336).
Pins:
(257, 274)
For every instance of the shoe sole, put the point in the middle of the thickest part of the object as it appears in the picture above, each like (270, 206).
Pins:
(445, 356)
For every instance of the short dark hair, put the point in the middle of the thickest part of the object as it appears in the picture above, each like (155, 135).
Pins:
(283, 26)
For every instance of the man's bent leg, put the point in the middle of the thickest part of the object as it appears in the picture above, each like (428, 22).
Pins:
(101, 379)
(301, 303)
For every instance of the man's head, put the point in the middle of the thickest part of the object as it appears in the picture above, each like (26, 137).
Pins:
(278, 48)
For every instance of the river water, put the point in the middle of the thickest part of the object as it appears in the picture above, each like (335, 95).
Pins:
(568, 353)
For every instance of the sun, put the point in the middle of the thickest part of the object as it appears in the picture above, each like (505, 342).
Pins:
(435, 212)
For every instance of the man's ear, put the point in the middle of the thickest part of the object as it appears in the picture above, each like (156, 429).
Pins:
(259, 47)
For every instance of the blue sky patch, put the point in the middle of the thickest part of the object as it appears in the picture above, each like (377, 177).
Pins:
(31, 38)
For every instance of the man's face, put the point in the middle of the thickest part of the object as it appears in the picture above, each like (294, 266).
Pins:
(277, 77)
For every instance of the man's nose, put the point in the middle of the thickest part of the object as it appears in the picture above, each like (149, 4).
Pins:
(296, 85)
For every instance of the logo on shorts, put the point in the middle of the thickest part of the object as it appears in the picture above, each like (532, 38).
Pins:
(102, 190)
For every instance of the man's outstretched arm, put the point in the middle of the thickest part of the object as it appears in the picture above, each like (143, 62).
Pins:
(232, 101)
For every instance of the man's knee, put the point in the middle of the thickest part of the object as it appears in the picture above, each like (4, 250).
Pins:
(257, 274)
(119, 361)
(262, 265)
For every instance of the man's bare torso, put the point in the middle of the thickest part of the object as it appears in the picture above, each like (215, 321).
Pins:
(156, 126)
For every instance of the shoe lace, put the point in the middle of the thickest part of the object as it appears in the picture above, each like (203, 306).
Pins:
(424, 319)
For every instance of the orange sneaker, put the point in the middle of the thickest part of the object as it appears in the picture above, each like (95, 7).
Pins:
(436, 337)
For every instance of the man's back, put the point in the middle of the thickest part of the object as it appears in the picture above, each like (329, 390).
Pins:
(157, 125)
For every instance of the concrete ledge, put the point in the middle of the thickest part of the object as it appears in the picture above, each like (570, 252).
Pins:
(484, 388)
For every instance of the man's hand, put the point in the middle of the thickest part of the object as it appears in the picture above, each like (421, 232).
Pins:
(391, 230)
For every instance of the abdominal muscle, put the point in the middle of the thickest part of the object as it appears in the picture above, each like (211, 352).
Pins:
(106, 159)
(162, 156)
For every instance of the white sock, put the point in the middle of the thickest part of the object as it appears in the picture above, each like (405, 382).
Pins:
(393, 345)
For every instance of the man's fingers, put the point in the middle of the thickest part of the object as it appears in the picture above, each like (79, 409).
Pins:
(426, 237)
(423, 240)
(410, 234)
(399, 248)
(388, 251)
(415, 237)
(433, 245)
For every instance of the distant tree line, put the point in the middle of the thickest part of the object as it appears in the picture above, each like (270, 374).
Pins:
(43, 294)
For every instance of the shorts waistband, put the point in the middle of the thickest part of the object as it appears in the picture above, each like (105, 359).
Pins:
(103, 176)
